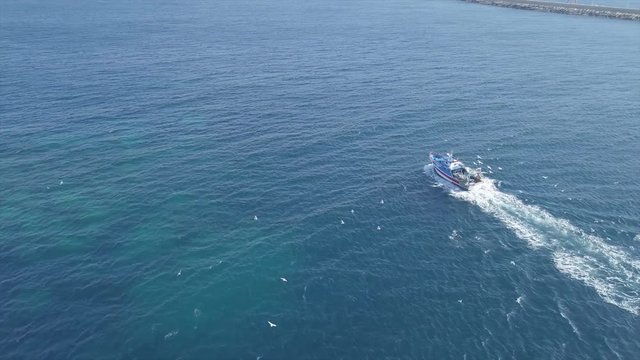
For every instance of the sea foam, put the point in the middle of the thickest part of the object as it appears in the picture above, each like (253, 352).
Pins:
(609, 269)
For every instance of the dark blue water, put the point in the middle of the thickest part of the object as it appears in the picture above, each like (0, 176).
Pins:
(163, 164)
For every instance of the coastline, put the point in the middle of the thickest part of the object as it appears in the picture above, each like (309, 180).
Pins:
(562, 8)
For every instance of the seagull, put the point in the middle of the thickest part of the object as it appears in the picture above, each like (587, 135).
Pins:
(271, 324)
(61, 182)
(179, 272)
(460, 301)
(255, 217)
(489, 167)
(544, 177)
(381, 201)
(379, 228)
(283, 279)
(512, 263)
(352, 211)
(341, 221)
(499, 168)
(171, 334)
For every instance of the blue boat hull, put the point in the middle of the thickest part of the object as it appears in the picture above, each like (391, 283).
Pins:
(453, 170)
(448, 177)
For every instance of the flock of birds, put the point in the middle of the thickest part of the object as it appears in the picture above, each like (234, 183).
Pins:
(284, 280)
(378, 228)
(271, 324)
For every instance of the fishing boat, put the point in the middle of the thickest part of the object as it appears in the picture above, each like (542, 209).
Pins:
(454, 171)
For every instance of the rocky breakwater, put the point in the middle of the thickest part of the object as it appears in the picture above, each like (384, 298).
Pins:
(572, 9)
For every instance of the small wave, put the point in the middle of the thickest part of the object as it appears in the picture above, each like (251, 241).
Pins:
(563, 313)
(610, 270)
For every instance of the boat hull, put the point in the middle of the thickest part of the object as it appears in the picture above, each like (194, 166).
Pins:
(448, 178)
(453, 170)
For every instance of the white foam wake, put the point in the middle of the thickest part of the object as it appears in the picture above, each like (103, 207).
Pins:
(610, 270)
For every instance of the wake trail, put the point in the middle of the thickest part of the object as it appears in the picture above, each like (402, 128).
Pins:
(610, 270)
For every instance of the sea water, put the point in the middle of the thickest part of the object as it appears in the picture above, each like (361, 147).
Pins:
(164, 165)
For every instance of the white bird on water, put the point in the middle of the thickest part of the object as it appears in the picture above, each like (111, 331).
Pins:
(381, 201)
(283, 279)
(271, 324)
(255, 217)
(341, 221)
(352, 211)
(171, 334)
(379, 228)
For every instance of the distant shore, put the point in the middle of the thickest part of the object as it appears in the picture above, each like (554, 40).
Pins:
(571, 9)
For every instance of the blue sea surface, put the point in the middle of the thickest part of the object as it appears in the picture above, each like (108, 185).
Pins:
(239, 179)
